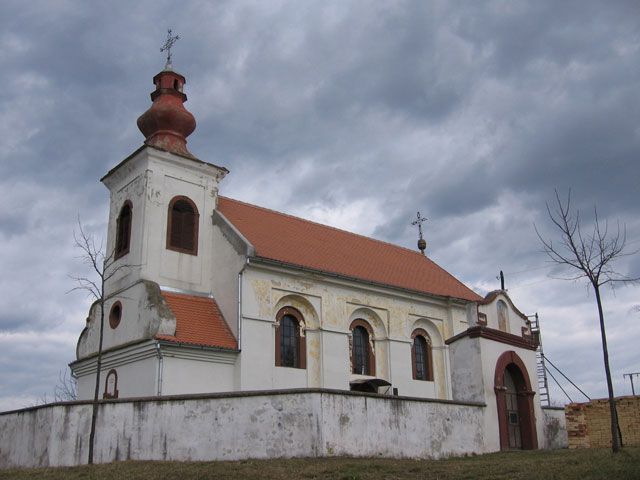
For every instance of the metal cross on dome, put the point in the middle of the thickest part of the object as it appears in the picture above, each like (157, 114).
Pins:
(421, 242)
(167, 47)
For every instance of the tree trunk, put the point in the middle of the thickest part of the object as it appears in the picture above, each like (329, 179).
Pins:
(96, 392)
(615, 439)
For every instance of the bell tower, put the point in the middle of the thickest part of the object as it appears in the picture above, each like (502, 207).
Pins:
(162, 197)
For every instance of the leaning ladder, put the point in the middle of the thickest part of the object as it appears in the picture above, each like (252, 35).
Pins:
(543, 386)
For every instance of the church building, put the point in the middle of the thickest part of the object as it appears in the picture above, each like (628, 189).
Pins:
(212, 294)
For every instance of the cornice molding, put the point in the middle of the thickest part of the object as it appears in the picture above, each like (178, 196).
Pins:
(495, 335)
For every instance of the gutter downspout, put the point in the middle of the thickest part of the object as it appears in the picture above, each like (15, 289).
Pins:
(160, 368)
(240, 303)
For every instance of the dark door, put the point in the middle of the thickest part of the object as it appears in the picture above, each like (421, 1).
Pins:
(513, 415)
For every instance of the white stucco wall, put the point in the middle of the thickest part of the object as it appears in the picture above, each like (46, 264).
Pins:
(490, 352)
(135, 365)
(555, 428)
(160, 368)
(239, 426)
(187, 375)
(515, 322)
(144, 315)
(150, 180)
(328, 307)
(467, 378)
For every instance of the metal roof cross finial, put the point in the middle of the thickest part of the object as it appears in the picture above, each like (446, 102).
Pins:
(422, 244)
(167, 47)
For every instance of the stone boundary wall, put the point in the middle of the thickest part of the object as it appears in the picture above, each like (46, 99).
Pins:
(589, 423)
(241, 425)
(555, 429)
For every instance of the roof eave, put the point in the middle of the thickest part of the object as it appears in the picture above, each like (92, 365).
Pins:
(197, 346)
(279, 263)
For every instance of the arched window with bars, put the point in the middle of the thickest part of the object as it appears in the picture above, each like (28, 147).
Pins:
(421, 357)
(363, 360)
(290, 347)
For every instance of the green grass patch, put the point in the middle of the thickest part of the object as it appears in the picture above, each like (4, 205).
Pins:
(543, 465)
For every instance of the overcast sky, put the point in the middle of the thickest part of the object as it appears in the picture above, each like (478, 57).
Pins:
(352, 113)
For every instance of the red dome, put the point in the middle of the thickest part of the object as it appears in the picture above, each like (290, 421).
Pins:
(167, 124)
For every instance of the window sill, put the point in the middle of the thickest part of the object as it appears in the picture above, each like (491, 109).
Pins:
(183, 250)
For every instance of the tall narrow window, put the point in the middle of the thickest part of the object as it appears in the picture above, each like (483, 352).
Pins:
(289, 338)
(421, 357)
(182, 226)
(503, 316)
(290, 343)
(123, 230)
(363, 361)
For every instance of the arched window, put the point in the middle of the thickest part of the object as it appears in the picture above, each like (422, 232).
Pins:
(290, 342)
(111, 385)
(421, 358)
(363, 361)
(503, 316)
(123, 230)
(182, 226)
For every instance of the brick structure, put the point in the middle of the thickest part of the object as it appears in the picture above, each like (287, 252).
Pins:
(589, 424)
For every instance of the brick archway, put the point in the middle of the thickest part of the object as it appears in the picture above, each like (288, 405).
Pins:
(511, 361)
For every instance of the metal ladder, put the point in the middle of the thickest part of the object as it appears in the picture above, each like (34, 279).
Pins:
(541, 368)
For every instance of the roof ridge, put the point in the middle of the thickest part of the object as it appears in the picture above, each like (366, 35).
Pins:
(328, 226)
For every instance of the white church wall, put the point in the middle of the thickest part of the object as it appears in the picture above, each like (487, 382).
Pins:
(226, 264)
(514, 321)
(129, 183)
(335, 359)
(490, 352)
(143, 316)
(459, 319)
(329, 306)
(135, 379)
(466, 370)
(242, 425)
(171, 268)
(186, 376)
(402, 378)
(151, 179)
(555, 428)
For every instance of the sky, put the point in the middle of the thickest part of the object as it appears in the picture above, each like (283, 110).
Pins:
(356, 114)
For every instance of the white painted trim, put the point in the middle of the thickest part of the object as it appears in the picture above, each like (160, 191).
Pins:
(117, 358)
(187, 353)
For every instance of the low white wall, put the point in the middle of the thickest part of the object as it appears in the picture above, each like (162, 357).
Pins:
(293, 423)
(555, 428)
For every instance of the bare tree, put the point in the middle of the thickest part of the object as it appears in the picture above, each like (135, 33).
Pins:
(590, 256)
(67, 387)
(103, 268)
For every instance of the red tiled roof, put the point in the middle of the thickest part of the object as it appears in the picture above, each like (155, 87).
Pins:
(198, 322)
(292, 240)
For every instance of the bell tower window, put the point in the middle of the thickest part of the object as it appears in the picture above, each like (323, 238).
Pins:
(123, 230)
(182, 226)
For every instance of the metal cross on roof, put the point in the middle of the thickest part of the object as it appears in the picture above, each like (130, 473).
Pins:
(167, 47)
(421, 242)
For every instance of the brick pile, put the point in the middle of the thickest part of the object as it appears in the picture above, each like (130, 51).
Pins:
(589, 424)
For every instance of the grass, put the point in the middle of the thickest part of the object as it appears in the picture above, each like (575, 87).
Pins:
(544, 465)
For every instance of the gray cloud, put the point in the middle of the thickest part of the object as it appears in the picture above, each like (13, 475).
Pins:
(358, 114)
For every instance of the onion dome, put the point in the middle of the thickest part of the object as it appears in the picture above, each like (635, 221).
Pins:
(167, 124)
